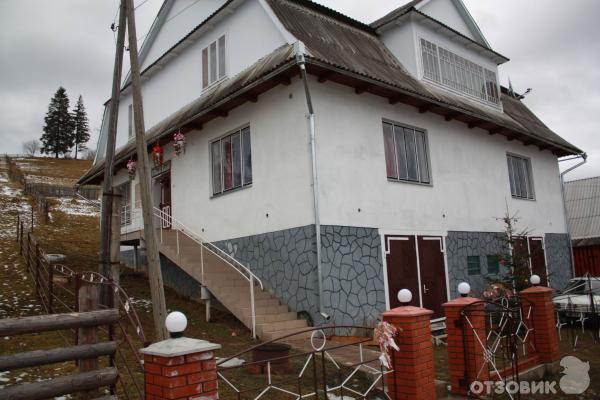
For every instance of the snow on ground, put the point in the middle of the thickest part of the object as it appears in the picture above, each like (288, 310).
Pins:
(75, 207)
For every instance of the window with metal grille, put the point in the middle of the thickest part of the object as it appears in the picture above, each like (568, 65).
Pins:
(493, 264)
(473, 265)
(214, 62)
(231, 160)
(451, 70)
(406, 153)
(520, 177)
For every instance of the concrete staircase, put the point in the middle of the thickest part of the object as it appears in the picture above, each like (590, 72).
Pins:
(229, 284)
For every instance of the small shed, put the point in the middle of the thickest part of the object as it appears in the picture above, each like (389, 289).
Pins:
(582, 198)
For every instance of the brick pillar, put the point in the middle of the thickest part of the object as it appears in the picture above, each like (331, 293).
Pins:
(544, 322)
(180, 368)
(414, 371)
(465, 353)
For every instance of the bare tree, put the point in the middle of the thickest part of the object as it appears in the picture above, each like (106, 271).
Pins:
(30, 147)
(89, 154)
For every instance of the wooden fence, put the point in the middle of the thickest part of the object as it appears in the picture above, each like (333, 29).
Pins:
(89, 379)
(60, 289)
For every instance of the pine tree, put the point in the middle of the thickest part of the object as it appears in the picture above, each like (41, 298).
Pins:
(58, 130)
(82, 130)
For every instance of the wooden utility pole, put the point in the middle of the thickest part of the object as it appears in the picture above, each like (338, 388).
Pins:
(159, 308)
(107, 183)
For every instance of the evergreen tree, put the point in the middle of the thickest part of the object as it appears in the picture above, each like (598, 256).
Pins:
(82, 130)
(58, 130)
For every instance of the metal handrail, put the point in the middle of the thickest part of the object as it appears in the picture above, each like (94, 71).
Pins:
(203, 242)
(168, 220)
(93, 203)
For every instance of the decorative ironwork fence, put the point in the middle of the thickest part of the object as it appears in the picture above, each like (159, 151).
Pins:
(315, 368)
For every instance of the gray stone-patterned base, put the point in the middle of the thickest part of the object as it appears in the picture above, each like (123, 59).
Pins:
(285, 261)
(353, 283)
(460, 245)
(558, 259)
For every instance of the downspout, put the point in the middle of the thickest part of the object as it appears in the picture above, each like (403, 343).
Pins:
(299, 50)
(562, 189)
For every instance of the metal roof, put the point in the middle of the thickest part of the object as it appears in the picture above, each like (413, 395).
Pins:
(582, 198)
(348, 52)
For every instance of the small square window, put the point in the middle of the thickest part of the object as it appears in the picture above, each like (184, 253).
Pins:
(473, 265)
(493, 265)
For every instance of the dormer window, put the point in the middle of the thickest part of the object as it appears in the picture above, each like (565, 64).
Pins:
(453, 71)
(213, 62)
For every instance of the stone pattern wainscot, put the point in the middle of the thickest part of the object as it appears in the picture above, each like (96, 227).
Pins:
(558, 259)
(353, 283)
(285, 260)
(460, 245)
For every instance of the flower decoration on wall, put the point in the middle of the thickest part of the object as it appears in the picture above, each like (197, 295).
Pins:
(384, 334)
(131, 168)
(179, 145)
(157, 154)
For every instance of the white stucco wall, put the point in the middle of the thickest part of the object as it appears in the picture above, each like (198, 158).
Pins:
(183, 16)
(281, 171)
(445, 11)
(469, 172)
(250, 35)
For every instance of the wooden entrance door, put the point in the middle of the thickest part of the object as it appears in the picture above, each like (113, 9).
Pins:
(433, 274)
(417, 263)
(165, 199)
(538, 259)
(401, 260)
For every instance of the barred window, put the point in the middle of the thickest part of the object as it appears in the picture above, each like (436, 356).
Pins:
(451, 70)
(406, 155)
(231, 161)
(520, 176)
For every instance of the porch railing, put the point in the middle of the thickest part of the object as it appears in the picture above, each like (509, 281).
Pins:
(166, 219)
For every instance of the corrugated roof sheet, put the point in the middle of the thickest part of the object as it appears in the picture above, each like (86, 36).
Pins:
(582, 198)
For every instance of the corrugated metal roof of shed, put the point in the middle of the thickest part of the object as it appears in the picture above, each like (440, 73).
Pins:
(582, 198)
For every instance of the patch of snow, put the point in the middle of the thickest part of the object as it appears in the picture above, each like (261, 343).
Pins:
(76, 207)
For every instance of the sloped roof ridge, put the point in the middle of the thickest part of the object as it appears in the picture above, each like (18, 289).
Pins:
(395, 13)
(333, 13)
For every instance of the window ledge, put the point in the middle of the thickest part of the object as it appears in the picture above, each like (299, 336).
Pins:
(410, 182)
(522, 198)
(215, 83)
(237, 189)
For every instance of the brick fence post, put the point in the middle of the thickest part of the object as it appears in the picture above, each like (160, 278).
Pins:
(544, 322)
(414, 376)
(465, 353)
(180, 368)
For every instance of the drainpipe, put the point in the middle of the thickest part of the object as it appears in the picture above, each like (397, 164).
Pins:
(562, 189)
(299, 49)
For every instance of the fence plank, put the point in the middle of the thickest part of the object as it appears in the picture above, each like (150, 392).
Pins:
(42, 357)
(60, 386)
(55, 322)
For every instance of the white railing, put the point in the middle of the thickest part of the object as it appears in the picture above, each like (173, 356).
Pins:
(131, 219)
(166, 221)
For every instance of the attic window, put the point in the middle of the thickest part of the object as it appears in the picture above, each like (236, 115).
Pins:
(213, 62)
(458, 73)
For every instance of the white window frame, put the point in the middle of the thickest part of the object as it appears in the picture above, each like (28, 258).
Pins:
(527, 179)
(427, 154)
(243, 184)
(466, 85)
(225, 72)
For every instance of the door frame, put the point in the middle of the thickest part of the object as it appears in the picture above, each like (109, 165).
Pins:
(415, 234)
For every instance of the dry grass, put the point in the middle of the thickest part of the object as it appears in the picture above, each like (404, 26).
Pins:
(53, 170)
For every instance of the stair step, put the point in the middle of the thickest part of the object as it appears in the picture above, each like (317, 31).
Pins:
(266, 318)
(267, 336)
(281, 326)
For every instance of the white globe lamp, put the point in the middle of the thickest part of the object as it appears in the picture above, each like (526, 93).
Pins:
(464, 289)
(404, 296)
(535, 280)
(176, 322)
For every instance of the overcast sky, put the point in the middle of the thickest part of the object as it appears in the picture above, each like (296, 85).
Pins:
(554, 47)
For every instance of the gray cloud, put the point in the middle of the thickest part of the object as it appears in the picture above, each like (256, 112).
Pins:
(554, 47)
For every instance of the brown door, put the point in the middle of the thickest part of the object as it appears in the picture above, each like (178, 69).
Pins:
(401, 260)
(538, 259)
(165, 199)
(433, 274)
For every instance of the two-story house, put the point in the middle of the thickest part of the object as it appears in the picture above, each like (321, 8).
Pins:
(337, 161)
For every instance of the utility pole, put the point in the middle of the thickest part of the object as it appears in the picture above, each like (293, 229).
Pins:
(154, 273)
(107, 183)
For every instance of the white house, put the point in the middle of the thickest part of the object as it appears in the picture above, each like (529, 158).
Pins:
(418, 151)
